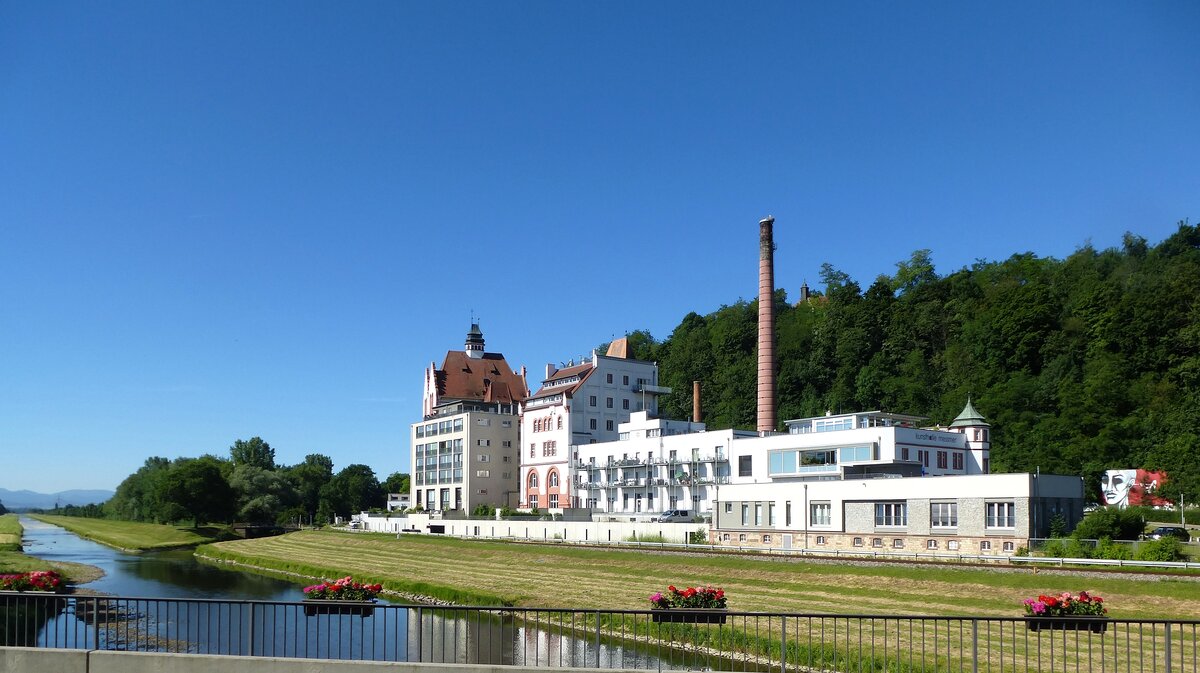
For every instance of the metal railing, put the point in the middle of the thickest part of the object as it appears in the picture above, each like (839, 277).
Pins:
(628, 639)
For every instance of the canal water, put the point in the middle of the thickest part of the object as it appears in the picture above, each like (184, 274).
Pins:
(170, 601)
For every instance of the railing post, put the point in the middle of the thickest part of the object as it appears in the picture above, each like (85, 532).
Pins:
(597, 639)
(1168, 647)
(782, 644)
(420, 635)
(251, 643)
(974, 646)
(95, 621)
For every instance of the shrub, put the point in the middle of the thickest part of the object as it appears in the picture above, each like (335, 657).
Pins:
(697, 537)
(1055, 548)
(1111, 522)
(1107, 549)
(1164, 549)
(484, 510)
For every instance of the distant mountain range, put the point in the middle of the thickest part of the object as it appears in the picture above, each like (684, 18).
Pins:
(31, 500)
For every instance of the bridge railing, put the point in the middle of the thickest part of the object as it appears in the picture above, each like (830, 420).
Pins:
(626, 639)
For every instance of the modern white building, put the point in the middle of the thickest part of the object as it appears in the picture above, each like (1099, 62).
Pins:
(876, 479)
(578, 405)
(655, 465)
(465, 447)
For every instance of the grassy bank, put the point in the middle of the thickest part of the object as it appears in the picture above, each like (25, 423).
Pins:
(10, 533)
(13, 561)
(474, 572)
(131, 535)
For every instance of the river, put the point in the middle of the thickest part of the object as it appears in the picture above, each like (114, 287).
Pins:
(244, 626)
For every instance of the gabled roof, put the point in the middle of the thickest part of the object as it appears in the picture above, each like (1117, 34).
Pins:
(485, 379)
(548, 388)
(969, 417)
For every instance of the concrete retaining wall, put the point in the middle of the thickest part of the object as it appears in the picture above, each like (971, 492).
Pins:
(536, 530)
(36, 660)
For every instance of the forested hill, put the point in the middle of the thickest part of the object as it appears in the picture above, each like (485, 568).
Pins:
(1081, 364)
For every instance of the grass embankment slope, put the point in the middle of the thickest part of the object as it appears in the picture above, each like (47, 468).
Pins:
(130, 535)
(13, 561)
(468, 572)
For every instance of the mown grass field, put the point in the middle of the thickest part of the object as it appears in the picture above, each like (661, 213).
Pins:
(128, 535)
(10, 533)
(475, 572)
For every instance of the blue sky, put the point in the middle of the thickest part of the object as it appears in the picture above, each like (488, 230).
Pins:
(221, 220)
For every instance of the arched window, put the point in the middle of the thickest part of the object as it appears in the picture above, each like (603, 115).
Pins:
(553, 480)
(533, 480)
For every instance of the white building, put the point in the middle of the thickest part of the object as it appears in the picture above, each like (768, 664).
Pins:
(874, 480)
(465, 447)
(577, 405)
(655, 465)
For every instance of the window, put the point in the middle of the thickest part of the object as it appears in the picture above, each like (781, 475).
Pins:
(506, 424)
(553, 480)
(625, 382)
(483, 458)
(898, 543)
(554, 500)
(729, 508)
(592, 401)
(891, 514)
(745, 515)
(506, 443)
(923, 457)
(987, 468)
(608, 425)
(766, 539)
(787, 513)
(483, 442)
(758, 514)
(931, 544)
(958, 460)
(820, 513)
(942, 463)
(904, 453)
(532, 449)
(484, 474)
(533, 501)
(985, 545)
(560, 422)
(610, 378)
(745, 467)
(1008, 546)
(1001, 515)
(625, 404)
(820, 539)
(533, 480)
(458, 424)
(741, 537)
(943, 514)
(858, 542)
(608, 402)
(724, 537)
(952, 545)
(592, 423)
(877, 542)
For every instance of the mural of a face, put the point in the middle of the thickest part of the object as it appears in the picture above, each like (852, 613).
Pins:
(1115, 485)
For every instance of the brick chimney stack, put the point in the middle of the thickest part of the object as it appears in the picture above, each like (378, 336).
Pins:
(766, 325)
(695, 401)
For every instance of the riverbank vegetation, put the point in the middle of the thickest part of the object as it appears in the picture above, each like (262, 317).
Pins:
(472, 572)
(10, 532)
(130, 535)
(248, 487)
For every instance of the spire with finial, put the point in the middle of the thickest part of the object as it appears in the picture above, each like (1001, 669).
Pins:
(969, 418)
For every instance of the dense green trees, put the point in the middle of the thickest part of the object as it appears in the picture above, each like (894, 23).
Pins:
(247, 487)
(1081, 364)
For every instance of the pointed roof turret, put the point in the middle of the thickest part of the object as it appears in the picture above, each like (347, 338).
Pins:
(474, 344)
(970, 417)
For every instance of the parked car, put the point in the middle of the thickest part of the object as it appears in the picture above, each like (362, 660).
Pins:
(675, 515)
(1169, 531)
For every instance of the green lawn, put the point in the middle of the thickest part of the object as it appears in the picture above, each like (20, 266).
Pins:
(477, 572)
(10, 533)
(129, 535)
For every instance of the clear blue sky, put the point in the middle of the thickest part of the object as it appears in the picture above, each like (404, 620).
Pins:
(221, 220)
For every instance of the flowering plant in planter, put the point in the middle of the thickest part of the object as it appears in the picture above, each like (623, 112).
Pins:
(345, 589)
(703, 598)
(37, 580)
(1066, 605)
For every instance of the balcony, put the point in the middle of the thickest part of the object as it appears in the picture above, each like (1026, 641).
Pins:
(651, 389)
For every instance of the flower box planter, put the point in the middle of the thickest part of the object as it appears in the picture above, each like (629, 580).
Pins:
(685, 616)
(1093, 624)
(313, 608)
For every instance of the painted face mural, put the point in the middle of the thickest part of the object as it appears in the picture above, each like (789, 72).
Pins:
(1132, 487)
(1114, 486)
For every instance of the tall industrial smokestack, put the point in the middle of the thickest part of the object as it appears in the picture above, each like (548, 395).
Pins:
(766, 325)
(695, 401)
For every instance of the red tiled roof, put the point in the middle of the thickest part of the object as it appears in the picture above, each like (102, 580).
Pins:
(486, 379)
